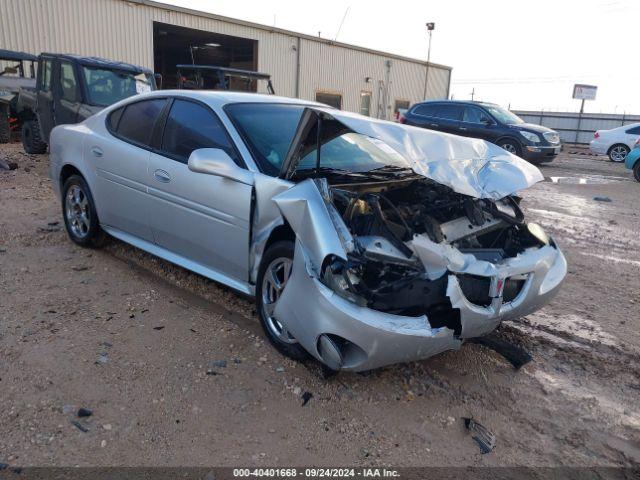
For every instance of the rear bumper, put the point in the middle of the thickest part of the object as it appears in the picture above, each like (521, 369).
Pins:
(598, 147)
(373, 339)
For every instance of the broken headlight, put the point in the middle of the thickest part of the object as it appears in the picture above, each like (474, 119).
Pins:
(537, 231)
(343, 280)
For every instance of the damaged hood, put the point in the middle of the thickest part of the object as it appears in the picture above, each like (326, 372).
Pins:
(469, 166)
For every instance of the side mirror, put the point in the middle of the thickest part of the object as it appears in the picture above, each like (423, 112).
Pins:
(215, 161)
(486, 122)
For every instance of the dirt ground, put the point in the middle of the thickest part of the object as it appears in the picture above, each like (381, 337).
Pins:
(177, 372)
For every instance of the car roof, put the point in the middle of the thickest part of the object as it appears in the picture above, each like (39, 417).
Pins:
(459, 102)
(220, 98)
(12, 55)
(99, 62)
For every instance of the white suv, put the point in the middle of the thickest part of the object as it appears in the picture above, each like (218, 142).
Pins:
(616, 142)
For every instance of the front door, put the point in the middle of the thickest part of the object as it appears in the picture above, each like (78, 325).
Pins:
(66, 95)
(477, 124)
(202, 218)
(45, 97)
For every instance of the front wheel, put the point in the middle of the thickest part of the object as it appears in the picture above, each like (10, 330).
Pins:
(510, 146)
(79, 212)
(275, 270)
(618, 153)
(32, 141)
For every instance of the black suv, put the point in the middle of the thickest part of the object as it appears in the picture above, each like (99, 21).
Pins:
(489, 122)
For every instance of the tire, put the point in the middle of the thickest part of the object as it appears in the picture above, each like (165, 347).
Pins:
(618, 152)
(32, 137)
(279, 252)
(79, 213)
(5, 129)
(636, 171)
(511, 146)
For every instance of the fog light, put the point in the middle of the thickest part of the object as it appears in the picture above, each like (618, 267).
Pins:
(533, 149)
(330, 352)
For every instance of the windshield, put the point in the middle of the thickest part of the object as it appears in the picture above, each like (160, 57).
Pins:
(106, 87)
(503, 115)
(268, 130)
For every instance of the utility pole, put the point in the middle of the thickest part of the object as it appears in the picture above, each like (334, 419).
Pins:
(473, 93)
(430, 27)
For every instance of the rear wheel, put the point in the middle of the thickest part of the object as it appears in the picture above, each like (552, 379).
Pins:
(618, 152)
(79, 212)
(5, 129)
(32, 141)
(636, 171)
(273, 275)
(511, 146)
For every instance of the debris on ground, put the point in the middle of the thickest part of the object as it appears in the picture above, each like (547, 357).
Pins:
(516, 355)
(483, 437)
(602, 199)
(79, 426)
(158, 328)
(84, 412)
(212, 372)
(7, 164)
(306, 396)
(219, 363)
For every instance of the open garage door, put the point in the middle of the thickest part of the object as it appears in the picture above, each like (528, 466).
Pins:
(173, 45)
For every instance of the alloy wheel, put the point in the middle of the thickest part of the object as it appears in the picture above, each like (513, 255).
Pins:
(77, 211)
(618, 153)
(275, 278)
(509, 148)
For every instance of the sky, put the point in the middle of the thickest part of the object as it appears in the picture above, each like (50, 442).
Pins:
(522, 55)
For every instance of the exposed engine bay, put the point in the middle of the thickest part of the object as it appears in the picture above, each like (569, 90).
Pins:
(385, 272)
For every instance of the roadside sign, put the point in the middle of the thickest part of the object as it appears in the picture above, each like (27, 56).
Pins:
(584, 92)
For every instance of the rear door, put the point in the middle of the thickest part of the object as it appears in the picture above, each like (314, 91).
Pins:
(45, 96)
(448, 117)
(120, 161)
(66, 94)
(423, 115)
(202, 218)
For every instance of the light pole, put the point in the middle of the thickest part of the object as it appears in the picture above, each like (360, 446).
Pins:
(430, 27)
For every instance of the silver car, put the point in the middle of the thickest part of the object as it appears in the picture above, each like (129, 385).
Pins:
(364, 242)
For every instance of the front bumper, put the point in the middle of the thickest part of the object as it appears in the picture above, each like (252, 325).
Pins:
(373, 339)
(541, 153)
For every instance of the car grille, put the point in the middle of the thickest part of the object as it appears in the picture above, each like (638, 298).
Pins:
(552, 137)
(476, 289)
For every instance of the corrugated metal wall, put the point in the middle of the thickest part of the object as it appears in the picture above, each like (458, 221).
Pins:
(574, 127)
(123, 30)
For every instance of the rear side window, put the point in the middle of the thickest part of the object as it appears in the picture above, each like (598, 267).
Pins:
(428, 110)
(634, 130)
(137, 120)
(449, 112)
(114, 119)
(191, 126)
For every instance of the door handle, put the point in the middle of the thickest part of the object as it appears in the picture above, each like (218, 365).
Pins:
(433, 125)
(96, 152)
(463, 128)
(162, 176)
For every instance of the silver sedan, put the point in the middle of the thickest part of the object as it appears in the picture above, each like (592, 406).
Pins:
(364, 242)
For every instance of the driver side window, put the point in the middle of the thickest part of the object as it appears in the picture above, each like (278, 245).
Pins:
(474, 115)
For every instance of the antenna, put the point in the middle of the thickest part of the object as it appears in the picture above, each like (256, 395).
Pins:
(342, 22)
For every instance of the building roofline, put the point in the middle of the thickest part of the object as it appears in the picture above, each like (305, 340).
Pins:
(291, 33)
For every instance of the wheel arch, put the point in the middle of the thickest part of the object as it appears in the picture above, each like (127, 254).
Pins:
(508, 137)
(67, 171)
(279, 233)
(622, 144)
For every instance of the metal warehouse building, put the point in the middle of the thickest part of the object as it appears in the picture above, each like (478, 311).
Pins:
(159, 36)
